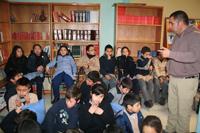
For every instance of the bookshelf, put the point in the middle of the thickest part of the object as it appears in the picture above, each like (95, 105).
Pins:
(5, 39)
(138, 25)
(62, 24)
(75, 25)
(169, 35)
(30, 24)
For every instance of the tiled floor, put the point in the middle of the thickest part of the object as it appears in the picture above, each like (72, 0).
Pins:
(160, 111)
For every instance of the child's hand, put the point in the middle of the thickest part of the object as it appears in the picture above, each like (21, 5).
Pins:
(18, 103)
(47, 70)
(107, 76)
(27, 98)
(150, 68)
(92, 109)
(99, 111)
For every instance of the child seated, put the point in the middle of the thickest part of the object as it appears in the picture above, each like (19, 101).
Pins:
(131, 118)
(65, 71)
(92, 78)
(63, 114)
(144, 76)
(117, 93)
(13, 77)
(152, 124)
(23, 96)
(13, 118)
(107, 67)
(95, 115)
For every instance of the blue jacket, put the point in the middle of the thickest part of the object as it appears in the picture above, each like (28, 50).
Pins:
(64, 64)
(124, 122)
(59, 118)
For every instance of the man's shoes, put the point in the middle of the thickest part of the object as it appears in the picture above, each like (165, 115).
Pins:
(162, 101)
(148, 104)
(54, 100)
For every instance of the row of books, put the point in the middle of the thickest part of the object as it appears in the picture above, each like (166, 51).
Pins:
(91, 16)
(30, 35)
(1, 37)
(129, 19)
(3, 55)
(76, 50)
(73, 34)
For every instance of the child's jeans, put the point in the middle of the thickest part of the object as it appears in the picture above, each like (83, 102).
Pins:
(57, 80)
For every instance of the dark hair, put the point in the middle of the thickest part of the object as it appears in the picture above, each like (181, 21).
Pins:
(76, 130)
(29, 126)
(63, 46)
(154, 122)
(25, 114)
(125, 48)
(94, 76)
(12, 74)
(36, 45)
(99, 89)
(145, 49)
(131, 99)
(108, 47)
(13, 53)
(180, 16)
(24, 82)
(73, 92)
(113, 129)
(126, 83)
(88, 47)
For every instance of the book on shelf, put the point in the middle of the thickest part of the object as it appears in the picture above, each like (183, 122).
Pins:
(1, 37)
(30, 35)
(94, 16)
(1, 57)
(74, 34)
(64, 17)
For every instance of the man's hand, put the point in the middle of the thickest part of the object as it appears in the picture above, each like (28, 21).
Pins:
(164, 52)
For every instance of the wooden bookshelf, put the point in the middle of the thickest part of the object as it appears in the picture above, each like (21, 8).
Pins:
(25, 23)
(77, 24)
(5, 35)
(137, 26)
(30, 24)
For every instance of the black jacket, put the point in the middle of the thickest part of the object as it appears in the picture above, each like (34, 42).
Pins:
(35, 61)
(93, 123)
(125, 66)
(10, 91)
(17, 64)
(107, 66)
(59, 118)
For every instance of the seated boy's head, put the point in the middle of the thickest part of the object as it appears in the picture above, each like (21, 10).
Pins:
(92, 78)
(14, 76)
(132, 103)
(146, 51)
(151, 124)
(29, 126)
(25, 114)
(108, 50)
(125, 85)
(72, 96)
(23, 87)
(98, 93)
(90, 49)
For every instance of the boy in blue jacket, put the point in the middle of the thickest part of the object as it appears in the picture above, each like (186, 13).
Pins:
(63, 114)
(131, 117)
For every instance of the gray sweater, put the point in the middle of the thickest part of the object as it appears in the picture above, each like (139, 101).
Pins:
(185, 54)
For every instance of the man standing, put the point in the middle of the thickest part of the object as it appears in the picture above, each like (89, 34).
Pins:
(183, 68)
